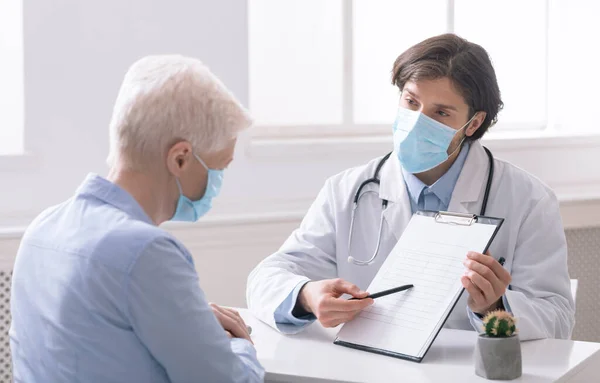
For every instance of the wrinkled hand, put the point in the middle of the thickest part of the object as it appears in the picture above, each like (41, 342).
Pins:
(322, 299)
(232, 322)
(486, 282)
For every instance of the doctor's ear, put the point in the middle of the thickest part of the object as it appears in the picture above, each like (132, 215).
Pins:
(178, 157)
(476, 122)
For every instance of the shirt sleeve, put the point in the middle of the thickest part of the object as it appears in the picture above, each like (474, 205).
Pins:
(170, 315)
(284, 315)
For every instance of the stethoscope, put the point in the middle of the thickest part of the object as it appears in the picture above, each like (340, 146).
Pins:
(384, 203)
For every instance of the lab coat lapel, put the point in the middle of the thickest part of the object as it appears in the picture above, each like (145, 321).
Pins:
(392, 188)
(469, 189)
(466, 197)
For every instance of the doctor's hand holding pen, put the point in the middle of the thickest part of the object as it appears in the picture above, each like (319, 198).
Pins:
(323, 300)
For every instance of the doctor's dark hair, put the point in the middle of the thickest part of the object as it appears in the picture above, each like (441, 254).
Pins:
(466, 64)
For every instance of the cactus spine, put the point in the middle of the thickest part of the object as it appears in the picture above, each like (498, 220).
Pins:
(499, 324)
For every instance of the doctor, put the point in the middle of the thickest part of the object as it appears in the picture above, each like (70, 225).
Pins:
(449, 99)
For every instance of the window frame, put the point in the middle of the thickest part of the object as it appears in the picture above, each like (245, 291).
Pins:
(264, 135)
(18, 157)
(550, 151)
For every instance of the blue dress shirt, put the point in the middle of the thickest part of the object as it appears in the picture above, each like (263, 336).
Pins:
(437, 196)
(100, 294)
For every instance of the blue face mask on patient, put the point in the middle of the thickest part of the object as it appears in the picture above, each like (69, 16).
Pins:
(420, 142)
(191, 211)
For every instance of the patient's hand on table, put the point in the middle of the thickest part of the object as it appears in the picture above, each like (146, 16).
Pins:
(322, 298)
(232, 322)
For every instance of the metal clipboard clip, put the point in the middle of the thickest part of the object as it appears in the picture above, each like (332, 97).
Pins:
(455, 218)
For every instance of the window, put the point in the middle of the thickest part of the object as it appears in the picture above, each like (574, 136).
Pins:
(296, 62)
(514, 34)
(11, 77)
(574, 57)
(381, 31)
(323, 67)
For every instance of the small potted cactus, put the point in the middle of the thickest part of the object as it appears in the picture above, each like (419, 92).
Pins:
(498, 350)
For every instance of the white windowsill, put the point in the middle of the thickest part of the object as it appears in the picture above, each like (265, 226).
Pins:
(294, 148)
(575, 215)
(18, 162)
(580, 200)
(15, 232)
(518, 140)
(525, 148)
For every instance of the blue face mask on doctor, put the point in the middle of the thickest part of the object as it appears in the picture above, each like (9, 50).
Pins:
(420, 142)
(191, 211)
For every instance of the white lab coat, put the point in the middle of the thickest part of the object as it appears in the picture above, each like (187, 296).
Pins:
(532, 241)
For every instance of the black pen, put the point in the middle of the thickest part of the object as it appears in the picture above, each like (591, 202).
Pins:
(384, 293)
(501, 261)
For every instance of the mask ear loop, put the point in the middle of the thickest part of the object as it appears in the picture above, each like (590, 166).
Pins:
(179, 186)
(201, 162)
(464, 136)
(177, 179)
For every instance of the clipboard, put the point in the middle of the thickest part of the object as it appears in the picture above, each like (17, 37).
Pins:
(355, 334)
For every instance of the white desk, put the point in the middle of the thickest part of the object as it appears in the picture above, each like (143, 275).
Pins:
(312, 357)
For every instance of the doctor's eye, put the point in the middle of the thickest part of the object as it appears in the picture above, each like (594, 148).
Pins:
(443, 114)
(410, 101)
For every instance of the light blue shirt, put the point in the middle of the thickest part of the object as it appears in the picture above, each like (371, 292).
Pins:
(100, 294)
(437, 196)
(422, 197)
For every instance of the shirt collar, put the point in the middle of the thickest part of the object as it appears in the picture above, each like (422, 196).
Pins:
(110, 193)
(443, 187)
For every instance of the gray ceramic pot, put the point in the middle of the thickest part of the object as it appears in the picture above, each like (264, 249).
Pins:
(498, 358)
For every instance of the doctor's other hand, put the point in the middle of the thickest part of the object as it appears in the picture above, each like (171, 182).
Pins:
(486, 282)
(232, 322)
(322, 299)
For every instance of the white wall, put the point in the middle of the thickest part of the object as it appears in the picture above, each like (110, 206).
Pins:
(76, 53)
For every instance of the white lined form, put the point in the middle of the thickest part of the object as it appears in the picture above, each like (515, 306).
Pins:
(429, 255)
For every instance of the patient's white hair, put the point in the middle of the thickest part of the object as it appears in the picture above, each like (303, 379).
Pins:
(167, 99)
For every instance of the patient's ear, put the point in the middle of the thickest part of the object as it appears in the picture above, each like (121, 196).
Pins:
(179, 157)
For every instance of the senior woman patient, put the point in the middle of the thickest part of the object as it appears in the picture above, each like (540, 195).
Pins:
(102, 294)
